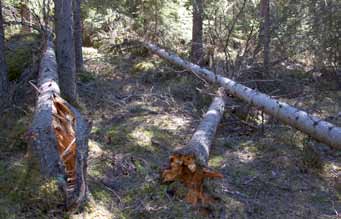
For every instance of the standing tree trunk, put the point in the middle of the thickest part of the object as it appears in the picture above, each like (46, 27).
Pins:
(78, 30)
(3, 67)
(265, 13)
(197, 32)
(65, 49)
(26, 17)
(46, 11)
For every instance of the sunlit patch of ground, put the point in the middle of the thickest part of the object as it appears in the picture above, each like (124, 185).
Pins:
(140, 113)
(136, 125)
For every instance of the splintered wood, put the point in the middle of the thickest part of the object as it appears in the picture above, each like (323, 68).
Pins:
(315, 127)
(189, 164)
(185, 169)
(59, 134)
(63, 123)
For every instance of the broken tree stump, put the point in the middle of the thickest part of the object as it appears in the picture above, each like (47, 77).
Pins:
(315, 127)
(59, 134)
(189, 164)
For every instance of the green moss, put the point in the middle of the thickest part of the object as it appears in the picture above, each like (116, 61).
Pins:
(182, 88)
(216, 161)
(86, 77)
(142, 137)
(12, 136)
(239, 173)
(140, 168)
(100, 194)
(17, 61)
(98, 169)
(20, 56)
(255, 148)
(140, 51)
(163, 136)
(137, 109)
(320, 198)
(95, 130)
(16, 135)
(179, 189)
(118, 134)
(22, 189)
(134, 135)
(143, 66)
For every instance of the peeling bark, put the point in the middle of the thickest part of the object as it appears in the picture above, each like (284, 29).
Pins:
(59, 134)
(189, 164)
(318, 129)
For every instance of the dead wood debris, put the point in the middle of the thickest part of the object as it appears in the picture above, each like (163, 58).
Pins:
(63, 123)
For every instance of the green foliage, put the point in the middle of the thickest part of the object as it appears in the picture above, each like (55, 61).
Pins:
(23, 192)
(105, 27)
(20, 53)
(143, 66)
(86, 77)
(113, 21)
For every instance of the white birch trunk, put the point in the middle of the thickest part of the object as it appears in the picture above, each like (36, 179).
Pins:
(200, 144)
(322, 131)
(189, 164)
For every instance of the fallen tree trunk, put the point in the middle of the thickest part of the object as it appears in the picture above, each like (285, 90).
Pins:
(318, 129)
(59, 134)
(189, 164)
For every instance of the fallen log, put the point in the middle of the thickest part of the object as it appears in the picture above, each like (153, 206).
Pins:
(189, 164)
(318, 129)
(59, 134)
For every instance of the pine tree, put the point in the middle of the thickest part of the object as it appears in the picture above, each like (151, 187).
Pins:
(65, 49)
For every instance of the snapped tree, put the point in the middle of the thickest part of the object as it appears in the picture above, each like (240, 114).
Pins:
(315, 127)
(59, 134)
(189, 164)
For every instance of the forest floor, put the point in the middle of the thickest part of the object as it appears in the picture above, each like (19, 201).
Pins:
(141, 108)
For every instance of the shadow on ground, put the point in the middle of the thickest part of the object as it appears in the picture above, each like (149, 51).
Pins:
(141, 109)
(146, 108)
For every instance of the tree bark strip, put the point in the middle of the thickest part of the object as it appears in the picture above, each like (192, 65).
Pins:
(59, 134)
(65, 49)
(26, 17)
(197, 32)
(265, 13)
(189, 164)
(318, 129)
(4, 83)
(77, 19)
